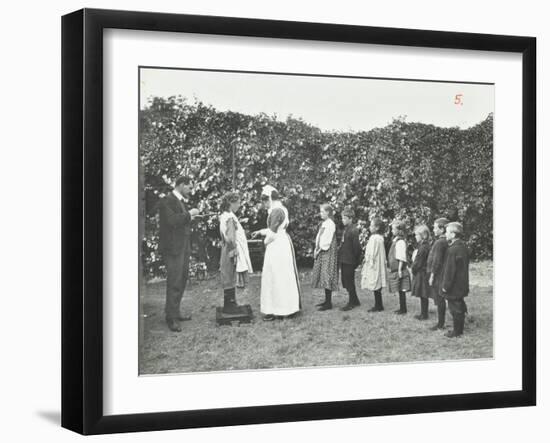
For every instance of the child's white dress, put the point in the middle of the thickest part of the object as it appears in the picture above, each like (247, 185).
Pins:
(374, 274)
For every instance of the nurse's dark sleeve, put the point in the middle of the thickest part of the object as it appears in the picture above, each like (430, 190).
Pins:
(275, 219)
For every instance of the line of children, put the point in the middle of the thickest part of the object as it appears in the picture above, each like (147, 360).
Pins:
(439, 270)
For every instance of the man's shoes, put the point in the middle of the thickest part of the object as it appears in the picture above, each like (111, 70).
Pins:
(184, 317)
(452, 334)
(173, 325)
(320, 304)
(375, 309)
(437, 327)
(268, 317)
(325, 307)
(421, 317)
(349, 307)
(400, 312)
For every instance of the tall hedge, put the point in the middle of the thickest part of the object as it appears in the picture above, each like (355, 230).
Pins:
(411, 171)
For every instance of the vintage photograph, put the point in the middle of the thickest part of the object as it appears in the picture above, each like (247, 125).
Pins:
(296, 221)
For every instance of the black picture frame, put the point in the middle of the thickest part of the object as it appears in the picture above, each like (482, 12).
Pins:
(82, 219)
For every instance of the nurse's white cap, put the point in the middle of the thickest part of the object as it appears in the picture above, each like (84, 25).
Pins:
(267, 190)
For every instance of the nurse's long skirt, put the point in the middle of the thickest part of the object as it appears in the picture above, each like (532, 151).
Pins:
(280, 293)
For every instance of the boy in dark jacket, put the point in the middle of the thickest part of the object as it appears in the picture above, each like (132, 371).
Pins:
(349, 257)
(456, 284)
(436, 260)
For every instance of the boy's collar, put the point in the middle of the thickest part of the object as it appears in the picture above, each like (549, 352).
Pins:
(178, 195)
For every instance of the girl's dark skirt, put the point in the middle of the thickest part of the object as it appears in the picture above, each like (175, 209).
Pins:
(420, 285)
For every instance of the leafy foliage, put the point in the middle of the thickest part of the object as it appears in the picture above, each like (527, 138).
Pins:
(412, 171)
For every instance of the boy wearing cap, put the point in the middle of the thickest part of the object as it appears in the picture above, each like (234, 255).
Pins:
(456, 285)
(349, 257)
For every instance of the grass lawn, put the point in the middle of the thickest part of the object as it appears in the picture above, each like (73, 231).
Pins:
(313, 338)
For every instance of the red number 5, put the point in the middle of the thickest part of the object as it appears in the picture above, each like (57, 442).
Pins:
(458, 99)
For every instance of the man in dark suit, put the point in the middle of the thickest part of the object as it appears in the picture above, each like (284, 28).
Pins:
(456, 283)
(349, 257)
(175, 247)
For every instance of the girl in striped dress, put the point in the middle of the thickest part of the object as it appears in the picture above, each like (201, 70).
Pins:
(325, 267)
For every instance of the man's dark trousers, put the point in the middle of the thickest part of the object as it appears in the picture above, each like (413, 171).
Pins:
(177, 268)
